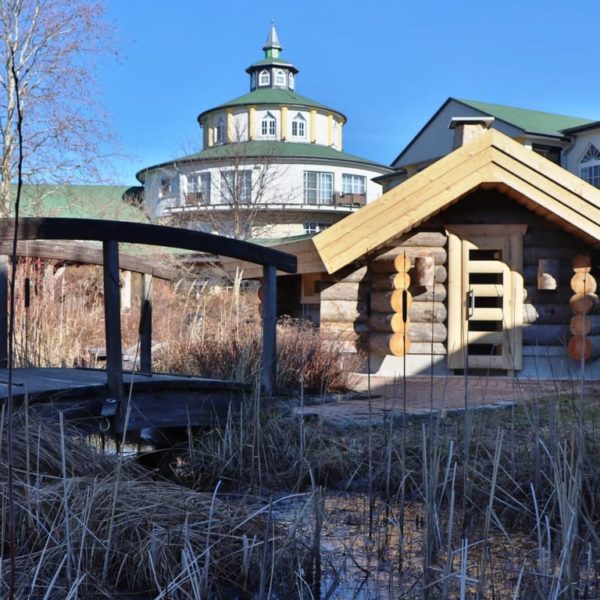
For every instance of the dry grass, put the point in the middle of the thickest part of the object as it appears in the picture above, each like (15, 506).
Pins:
(96, 528)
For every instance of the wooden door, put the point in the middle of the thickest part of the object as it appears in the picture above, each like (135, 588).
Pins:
(485, 299)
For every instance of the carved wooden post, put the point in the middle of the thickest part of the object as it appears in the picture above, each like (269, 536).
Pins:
(269, 301)
(112, 320)
(146, 325)
(3, 311)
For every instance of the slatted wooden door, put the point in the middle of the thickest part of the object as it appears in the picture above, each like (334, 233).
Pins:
(485, 315)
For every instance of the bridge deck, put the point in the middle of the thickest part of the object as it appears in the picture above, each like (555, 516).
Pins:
(157, 400)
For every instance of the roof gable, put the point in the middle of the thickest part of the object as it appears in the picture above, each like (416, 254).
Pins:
(493, 158)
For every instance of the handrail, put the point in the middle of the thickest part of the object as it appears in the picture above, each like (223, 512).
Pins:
(60, 228)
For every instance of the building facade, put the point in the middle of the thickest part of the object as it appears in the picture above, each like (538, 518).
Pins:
(272, 163)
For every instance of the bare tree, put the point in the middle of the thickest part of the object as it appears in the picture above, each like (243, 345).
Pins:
(48, 47)
(249, 194)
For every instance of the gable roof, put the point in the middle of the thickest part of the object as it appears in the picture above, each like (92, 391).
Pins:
(528, 121)
(493, 159)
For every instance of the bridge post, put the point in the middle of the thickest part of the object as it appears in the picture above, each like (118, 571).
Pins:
(112, 321)
(269, 302)
(3, 311)
(146, 325)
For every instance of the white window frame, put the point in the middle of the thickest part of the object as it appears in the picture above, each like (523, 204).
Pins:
(589, 166)
(236, 187)
(291, 80)
(354, 184)
(264, 78)
(165, 187)
(199, 183)
(220, 131)
(318, 187)
(299, 127)
(268, 126)
(314, 227)
(280, 78)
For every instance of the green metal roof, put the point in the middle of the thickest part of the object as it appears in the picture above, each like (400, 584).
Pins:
(78, 201)
(265, 62)
(531, 121)
(274, 96)
(272, 150)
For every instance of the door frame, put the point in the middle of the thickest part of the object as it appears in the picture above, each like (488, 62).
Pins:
(457, 346)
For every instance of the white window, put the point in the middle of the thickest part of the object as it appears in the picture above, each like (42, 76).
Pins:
(220, 131)
(313, 227)
(236, 187)
(198, 189)
(264, 78)
(353, 184)
(165, 187)
(318, 187)
(279, 77)
(299, 126)
(291, 81)
(589, 168)
(268, 126)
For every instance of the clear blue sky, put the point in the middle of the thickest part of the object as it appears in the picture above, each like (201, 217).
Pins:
(386, 65)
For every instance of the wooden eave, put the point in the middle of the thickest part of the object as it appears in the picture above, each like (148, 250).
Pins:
(308, 258)
(493, 159)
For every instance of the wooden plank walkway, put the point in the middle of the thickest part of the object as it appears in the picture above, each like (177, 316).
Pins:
(155, 400)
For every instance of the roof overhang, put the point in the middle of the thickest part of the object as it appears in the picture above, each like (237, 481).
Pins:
(491, 160)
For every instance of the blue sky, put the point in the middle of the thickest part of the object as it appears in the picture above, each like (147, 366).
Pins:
(387, 65)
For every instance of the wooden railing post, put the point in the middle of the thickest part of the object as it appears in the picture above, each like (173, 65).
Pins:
(112, 321)
(269, 302)
(146, 325)
(3, 311)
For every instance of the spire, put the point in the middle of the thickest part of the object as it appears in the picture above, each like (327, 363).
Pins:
(272, 46)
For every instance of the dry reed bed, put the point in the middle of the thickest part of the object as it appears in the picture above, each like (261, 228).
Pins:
(95, 526)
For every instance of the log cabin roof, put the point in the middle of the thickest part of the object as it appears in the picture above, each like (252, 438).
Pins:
(493, 160)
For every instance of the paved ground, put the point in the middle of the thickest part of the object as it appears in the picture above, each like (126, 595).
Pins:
(388, 396)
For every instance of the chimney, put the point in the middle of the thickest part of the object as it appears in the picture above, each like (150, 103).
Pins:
(467, 129)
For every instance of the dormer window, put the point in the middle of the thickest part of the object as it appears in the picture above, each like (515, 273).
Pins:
(279, 77)
(589, 168)
(291, 81)
(264, 78)
(268, 126)
(299, 126)
(220, 131)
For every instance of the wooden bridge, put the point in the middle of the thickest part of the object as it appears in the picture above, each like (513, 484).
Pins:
(118, 399)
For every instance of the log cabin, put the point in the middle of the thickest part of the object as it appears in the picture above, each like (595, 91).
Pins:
(486, 261)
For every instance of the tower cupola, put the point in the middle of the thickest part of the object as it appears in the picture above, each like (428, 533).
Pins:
(272, 71)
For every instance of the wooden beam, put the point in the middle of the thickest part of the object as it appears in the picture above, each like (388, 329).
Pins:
(269, 302)
(79, 252)
(112, 321)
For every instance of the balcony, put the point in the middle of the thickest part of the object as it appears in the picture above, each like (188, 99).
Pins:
(349, 200)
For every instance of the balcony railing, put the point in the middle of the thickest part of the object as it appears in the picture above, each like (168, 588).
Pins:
(350, 200)
(195, 199)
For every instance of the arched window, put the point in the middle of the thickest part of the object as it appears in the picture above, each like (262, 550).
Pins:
(264, 78)
(279, 77)
(220, 131)
(268, 126)
(299, 126)
(291, 81)
(589, 166)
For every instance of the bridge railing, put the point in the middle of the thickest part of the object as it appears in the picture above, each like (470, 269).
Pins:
(110, 233)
